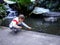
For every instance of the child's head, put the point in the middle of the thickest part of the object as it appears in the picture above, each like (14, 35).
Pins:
(21, 17)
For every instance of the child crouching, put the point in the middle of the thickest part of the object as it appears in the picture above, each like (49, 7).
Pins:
(17, 23)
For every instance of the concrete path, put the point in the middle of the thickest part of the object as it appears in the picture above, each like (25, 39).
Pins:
(27, 38)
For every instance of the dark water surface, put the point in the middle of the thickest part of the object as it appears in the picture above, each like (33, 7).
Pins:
(46, 27)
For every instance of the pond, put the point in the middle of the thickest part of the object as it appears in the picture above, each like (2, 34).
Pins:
(40, 25)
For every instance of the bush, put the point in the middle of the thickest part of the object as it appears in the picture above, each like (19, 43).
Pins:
(22, 2)
(2, 11)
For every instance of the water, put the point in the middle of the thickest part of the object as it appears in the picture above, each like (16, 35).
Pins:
(40, 25)
(12, 13)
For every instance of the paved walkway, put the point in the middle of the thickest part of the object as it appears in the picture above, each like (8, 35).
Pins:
(27, 38)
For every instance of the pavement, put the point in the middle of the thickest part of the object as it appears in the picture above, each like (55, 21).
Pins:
(7, 37)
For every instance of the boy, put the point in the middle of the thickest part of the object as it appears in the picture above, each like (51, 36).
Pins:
(17, 23)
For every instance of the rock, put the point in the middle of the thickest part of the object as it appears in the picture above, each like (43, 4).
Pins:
(50, 19)
(6, 21)
(53, 14)
(39, 10)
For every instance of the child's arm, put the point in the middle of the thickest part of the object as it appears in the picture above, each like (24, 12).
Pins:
(26, 25)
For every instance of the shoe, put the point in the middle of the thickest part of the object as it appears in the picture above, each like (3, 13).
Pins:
(15, 31)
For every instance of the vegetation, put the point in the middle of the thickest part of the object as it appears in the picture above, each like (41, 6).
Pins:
(22, 2)
(53, 5)
(23, 6)
(2, 11)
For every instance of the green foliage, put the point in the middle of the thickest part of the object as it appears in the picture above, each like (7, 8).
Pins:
(2, 11)
(53, 5)
(22, 5)
(22, 2)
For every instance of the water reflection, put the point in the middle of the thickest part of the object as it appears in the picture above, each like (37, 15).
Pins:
(41, 26)
(51, 19)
